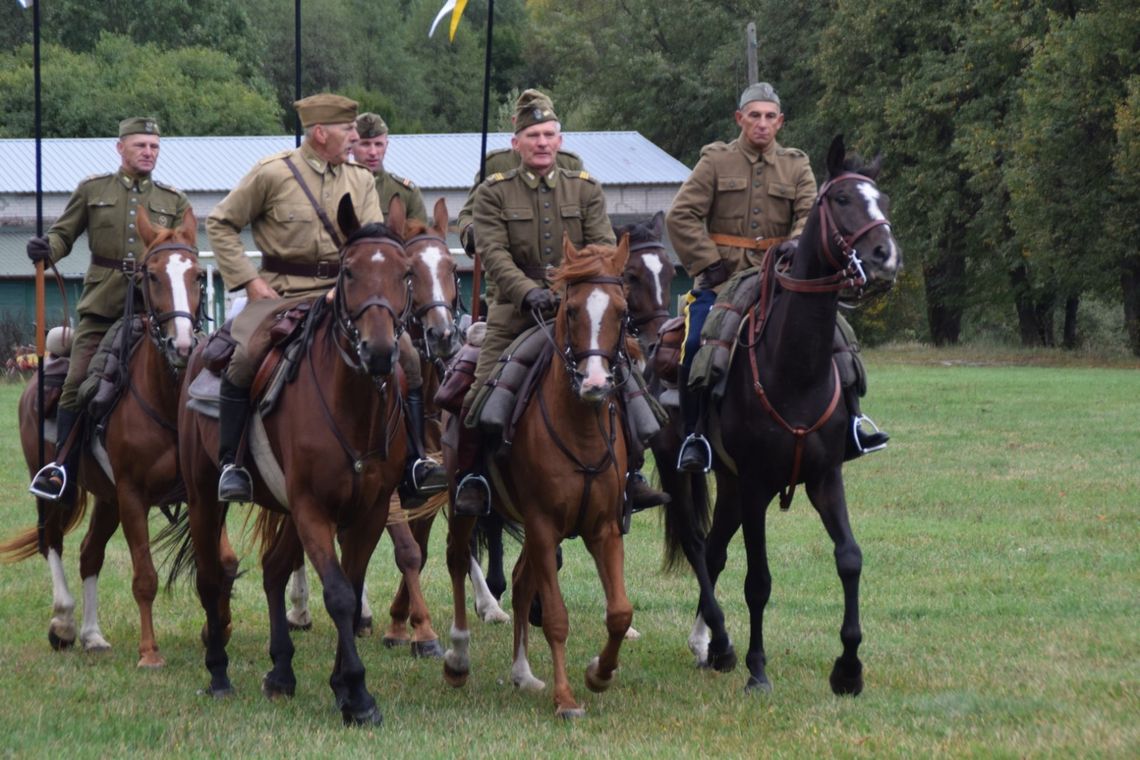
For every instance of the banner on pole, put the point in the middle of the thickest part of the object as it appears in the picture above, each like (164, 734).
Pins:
(25, 4)
(455, 8)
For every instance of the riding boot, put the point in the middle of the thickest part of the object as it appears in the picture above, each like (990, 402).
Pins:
(234, 483)
(696, 453)
(57, 481)
(860, 441)
(473, 494)
(639, 494)
(422, 476)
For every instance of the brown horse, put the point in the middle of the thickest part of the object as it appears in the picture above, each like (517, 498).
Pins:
(648, 278)
(328, 458)
(564, 475)
(782, 421)
(135, 465)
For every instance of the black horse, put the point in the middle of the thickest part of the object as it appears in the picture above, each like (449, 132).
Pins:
(782, 421)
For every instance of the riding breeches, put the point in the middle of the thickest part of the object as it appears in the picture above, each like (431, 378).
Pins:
(84, 344)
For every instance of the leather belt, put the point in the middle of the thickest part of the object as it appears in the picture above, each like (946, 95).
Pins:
(736, 241)
(325, 270)
(123, 265)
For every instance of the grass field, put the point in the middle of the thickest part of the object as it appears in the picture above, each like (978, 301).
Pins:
(1000, 606)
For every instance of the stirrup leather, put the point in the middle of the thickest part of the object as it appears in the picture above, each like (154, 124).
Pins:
(856, 422)
(696, 439)
(473, 480)
(235, 490)
(48, 475)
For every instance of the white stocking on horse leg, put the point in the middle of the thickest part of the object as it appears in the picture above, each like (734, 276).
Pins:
(521, 676)
(699, 639)
(89, 634)
(486, 606)
(62, 626)
(298, 615)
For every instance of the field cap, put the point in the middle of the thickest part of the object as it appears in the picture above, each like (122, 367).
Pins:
(759, 91)
(325, 108)
(138, 125)
(370, 125)
(534, 113)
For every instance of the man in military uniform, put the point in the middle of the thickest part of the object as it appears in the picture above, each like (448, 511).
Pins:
(105, 206)
(300, 250)
(518, 254)
(741, 198)
(370, 151)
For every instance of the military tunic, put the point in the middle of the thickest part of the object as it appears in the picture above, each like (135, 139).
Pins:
(735, 190)
(285, 225)
(105, 206)
(500, 162)
(520, 218)
(389, 185)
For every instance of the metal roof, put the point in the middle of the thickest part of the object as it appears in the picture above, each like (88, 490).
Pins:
(433, 161)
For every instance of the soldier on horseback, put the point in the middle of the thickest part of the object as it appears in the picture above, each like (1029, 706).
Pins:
(105, 206)
(741, 199)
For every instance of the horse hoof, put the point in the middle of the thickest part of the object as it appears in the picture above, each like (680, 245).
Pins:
(758, 686)
(217, 692)
(152, 661)
(846, 680)
(394, 642)
(594, 682)
(632, 634)
(570, 713)
(721, 662)
(369, 717)
(96, 644)
(430, 649)
(58, 644)
(273, 687)
(364, 630)
(305, 626)
(453, 676)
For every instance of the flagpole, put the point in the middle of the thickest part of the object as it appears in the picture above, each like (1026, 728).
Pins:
(41, 309)
(477, 270)
(297, 68)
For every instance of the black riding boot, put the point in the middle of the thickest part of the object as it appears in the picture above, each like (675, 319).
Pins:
(638, 493)
(234, 484)
(860, 441)
(696, 453)
(57, 481)
(422, 476)
(473, 492)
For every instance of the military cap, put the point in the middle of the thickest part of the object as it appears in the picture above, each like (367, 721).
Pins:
(530, 98)
(370, 125)
(759, 91)
(534, 113)
(325, 108)
(138, 125)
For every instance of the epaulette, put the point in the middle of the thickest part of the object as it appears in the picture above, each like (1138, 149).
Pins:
(715, 147)
(796, 152)
(168, 188)
(497, 151)
(569, 153)
(403, 181)
(500, 176)
(578, 174)
(274, 157)
(85, 180)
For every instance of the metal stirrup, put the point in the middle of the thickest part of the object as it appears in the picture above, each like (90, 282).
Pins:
(855, 423)
(694, 439)
(472, 479)
(239, 471)
(47, 472)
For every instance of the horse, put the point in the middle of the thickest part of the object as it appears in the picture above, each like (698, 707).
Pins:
(782, 423)
(570, 440)
(338, 435)
(136, 464)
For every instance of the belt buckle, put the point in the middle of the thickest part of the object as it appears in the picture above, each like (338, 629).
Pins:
(127, 266)
(323, 271)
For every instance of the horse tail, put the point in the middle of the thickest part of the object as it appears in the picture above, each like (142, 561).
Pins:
(267, 527)
(687, 515)
(26, 543)
(173, 547)
(429, 509)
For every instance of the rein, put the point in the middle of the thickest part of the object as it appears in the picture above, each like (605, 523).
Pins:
(570, 358)
(452, 308)
(345, 321)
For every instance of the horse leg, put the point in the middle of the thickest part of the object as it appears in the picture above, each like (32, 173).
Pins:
(144, 583)
(521, 594)
(486, 605)
(541, 553)
(207, 520)
(61, 629)
(409, 560)
(830, 502)
(457, 659)
(299, 617)
(92, 552)
(725, 522)
(277, 563)
(341, 596)
(608, 551)
(496, 575)
(757, 590)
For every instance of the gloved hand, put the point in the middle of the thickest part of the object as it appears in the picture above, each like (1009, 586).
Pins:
(468, 238)
(787, 248)
(711, 276)
(542, 299)
(39, 249)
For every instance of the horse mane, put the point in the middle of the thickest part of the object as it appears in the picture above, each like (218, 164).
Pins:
(593, 260)
(373, 230)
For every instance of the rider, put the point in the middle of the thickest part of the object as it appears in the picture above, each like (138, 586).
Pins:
(520, 218)
(300, 255)
(370, 151)
(105, 207)
(741, 198)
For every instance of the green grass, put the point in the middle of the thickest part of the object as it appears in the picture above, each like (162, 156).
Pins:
(1000, 612)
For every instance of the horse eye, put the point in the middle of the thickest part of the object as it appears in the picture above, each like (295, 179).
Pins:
(348, 275)
(842, 199)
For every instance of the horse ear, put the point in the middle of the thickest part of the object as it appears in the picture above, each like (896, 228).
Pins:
(657, 226)
(147, 233)
(569, 252)
(835, 156)
(188, 230)
(439, 216)
(397, 216)
(621, 254)
(346, 216)
(876, 165)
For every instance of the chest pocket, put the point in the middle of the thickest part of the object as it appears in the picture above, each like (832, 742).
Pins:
(519, 214)
(571, 224)
(161, 213)
(730, 205)
(101, 214)
(293, 213)
(783, 197)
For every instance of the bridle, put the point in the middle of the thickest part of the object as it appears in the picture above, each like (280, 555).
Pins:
(155, 320)
(616, 356)
(344, 319)
(417, 314)
(848, 274)
(636, 323)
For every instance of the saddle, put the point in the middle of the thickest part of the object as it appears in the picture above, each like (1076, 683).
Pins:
(108, 373)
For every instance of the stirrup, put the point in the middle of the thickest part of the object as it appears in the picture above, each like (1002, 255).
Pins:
(695, 439)
(473, 480)
(431, 481)
(46, 479)
(239, 487)
(877, 437)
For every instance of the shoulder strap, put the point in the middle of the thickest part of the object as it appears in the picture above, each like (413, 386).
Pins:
(329, 228)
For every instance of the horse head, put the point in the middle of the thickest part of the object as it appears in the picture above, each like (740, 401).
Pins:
(854, 230)
(590, 327)
(172, 286)
(648, 277)
(372, 297)
(435, 283)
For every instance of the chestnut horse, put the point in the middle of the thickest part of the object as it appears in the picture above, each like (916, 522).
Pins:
(136, 465)
(782, 421)
(337, 445)
(564, 475)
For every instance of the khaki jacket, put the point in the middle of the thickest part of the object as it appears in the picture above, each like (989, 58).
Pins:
(500, 162)
(520, 218)
(736, 191)
(389, 185)
(283, 220)
(104, 206)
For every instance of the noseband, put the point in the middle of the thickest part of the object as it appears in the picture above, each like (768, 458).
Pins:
(345, 319)
(616, 356)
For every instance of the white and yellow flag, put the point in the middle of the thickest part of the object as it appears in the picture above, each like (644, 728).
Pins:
(25, 4)
(454, 7)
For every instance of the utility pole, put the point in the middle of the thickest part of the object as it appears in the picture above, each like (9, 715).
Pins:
(753, 68)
